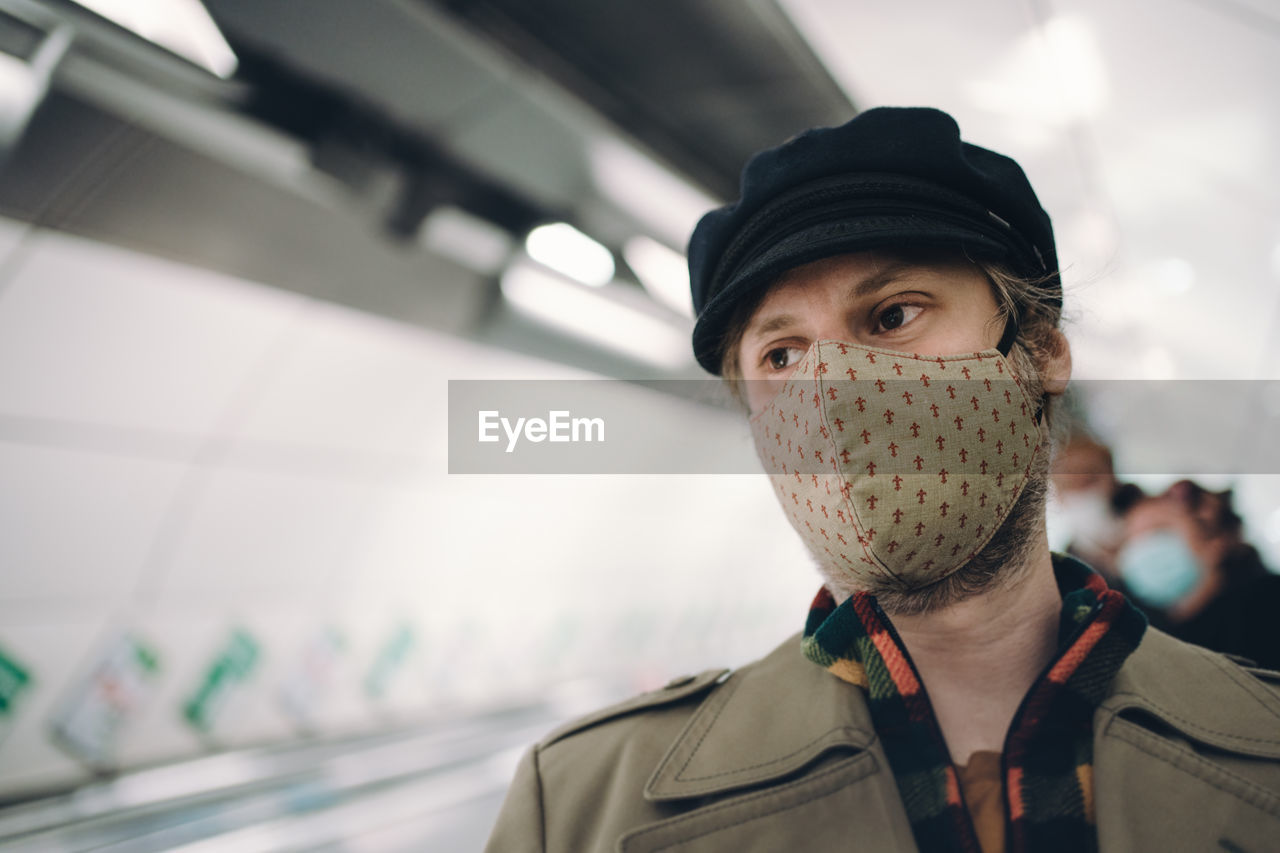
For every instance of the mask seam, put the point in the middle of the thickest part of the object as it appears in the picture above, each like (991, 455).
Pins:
(1022, 481)
(846, 488)
(1026, 476)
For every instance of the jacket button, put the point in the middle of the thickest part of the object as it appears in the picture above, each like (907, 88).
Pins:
(678, 682)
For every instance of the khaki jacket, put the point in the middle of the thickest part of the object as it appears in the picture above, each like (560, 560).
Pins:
(780, 756)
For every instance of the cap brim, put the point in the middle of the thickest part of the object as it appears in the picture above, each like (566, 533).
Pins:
(825, 240)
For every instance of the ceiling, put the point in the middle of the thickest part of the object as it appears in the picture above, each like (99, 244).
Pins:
(704, 84)
(1149, 128)
(346, 126)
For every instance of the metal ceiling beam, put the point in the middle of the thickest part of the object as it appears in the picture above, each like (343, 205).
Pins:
(702, 84)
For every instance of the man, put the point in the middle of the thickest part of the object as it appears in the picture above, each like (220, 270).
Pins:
(1090, 503)
(1187, 564)
(885, 299)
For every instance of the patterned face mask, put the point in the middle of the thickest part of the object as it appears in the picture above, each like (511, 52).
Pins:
(898, 466)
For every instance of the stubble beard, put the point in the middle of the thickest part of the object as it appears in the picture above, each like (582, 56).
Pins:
(1003, 561)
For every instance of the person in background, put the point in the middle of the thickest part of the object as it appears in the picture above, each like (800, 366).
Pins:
(885, 299)
(1185, 560)
(1088, 502)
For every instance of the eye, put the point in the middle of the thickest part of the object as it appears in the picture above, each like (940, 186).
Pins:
(780, 358)
(896, 316)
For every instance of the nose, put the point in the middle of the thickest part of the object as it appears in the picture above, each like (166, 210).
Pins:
(835, 334)
(827, 319)
(832, 328)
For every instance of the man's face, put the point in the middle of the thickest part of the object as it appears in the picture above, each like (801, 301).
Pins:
(869, 299)
(935, 308)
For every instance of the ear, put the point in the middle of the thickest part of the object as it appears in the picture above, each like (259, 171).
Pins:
(1057, 369)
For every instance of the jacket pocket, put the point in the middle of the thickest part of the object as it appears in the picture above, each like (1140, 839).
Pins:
(845, 804)
(1158, 793)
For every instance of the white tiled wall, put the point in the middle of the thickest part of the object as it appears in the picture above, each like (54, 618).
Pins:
(263, 534)
(55, 650)
(78, 524)
(99, 335)
(184, 455)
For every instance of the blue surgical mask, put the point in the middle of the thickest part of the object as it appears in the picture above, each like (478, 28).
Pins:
(1159, 568)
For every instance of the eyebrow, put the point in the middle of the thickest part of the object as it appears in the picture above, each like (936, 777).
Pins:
(868, 286)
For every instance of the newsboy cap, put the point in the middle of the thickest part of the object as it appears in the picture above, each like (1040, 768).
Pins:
(890, 178)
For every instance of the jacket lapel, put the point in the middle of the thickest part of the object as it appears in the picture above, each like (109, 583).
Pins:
(762, 724)
(782, 740)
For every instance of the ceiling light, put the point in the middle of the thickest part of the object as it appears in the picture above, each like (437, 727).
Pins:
(598, 316)
(568, 251)
(475, 243)
(1174, 275)
(1054, 75)
(180, 26)
(664, 273)
(667, 205)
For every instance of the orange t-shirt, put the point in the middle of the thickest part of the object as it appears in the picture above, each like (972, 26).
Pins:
(983, 791)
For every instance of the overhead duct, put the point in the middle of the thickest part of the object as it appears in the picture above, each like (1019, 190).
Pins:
(371, 118)
(24, 79)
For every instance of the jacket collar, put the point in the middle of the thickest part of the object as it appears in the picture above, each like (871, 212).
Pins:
(766, 721)
(1199, 694)
(775, 716)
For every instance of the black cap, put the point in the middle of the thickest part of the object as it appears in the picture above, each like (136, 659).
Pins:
(892, 177)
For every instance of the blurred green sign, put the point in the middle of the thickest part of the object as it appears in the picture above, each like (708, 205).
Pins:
(229, 669)
(14, 681)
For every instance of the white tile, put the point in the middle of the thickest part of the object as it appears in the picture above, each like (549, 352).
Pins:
(54, 653)
(354, 382)
(500, 568)
(350, 382)
(381, 656)
(77, 526)
(278, 628)
(185, 640)
(310, 683)
(99, 334)
(257, 533)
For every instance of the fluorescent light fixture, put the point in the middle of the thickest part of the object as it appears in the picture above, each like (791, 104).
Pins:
(181, 26)
(664, 273)
(475, 243)
(1054, 75)
(667, 205)
(568, 251)
(599, 316)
